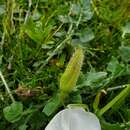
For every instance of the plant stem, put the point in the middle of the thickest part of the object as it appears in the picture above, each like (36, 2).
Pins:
(115, 88)
(115, 100)
(7, 87)
(28, 11)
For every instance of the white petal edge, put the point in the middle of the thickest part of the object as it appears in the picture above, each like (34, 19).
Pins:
(74, 119)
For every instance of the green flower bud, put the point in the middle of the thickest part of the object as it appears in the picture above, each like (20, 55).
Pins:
(70, 76)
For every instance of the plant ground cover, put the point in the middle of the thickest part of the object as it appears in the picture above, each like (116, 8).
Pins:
(37, 40)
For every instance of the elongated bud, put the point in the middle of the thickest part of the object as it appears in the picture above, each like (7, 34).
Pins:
(70, 76)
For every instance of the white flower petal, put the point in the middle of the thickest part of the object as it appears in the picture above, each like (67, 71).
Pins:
(74, 119)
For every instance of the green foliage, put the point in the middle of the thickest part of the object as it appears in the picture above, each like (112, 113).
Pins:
(116, 101)
(52, 105)
(126, 29)
(115, 67)
(92, 79)
(13, 112)
(109, 126)
(86, 35)
(125, 53)
(34, 30)
(22, 127)
(37, 39)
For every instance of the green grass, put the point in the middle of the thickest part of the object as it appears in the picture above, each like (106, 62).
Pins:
(37, 40)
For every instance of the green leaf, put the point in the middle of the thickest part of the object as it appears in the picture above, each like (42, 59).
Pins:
(115, 67)
(86, 35)
(65, 19)
(126, 29)
(75, 98)
(52, 105)
(23, 127)
(92, 78)
(75, 9)
(13, 112)
(124, 52)
(36, 15)
(86, 10)
(108, 126)
(2, 9)
(34, 30)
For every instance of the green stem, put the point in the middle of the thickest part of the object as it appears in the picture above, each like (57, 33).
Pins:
(115, 100)
(7, 87)
(28, 11)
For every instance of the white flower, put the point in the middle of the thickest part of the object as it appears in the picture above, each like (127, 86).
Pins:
(74, 119)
